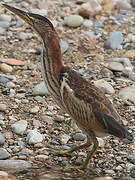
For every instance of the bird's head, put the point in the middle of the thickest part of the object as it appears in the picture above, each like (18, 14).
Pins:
(38, 22)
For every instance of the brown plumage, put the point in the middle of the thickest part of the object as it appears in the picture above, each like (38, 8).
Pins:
(86, 104)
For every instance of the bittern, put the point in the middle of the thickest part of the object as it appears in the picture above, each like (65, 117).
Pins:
(86, 104)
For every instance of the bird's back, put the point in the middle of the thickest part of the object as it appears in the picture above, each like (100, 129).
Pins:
(89, 106)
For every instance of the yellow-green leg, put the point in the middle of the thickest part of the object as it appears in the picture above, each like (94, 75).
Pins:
(89, 156)
(69, 152)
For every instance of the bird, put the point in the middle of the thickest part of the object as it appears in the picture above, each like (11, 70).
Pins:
(87, 105)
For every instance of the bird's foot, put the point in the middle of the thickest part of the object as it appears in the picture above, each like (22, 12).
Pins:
(82, 167)
(66, 152)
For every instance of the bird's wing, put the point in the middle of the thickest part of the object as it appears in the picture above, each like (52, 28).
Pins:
(88, 105)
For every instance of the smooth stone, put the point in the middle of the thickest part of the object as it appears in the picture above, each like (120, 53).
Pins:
(41, 12)
(34, 110)
(4, 80)
(40, 89)
(14, 165)
(115, 66)
(114, 41)
(2, 139)
(41, 157)
(34, 137)
(74, 21)
(4, 24)
(24, 36)
(131, 158)
(123, 4)
(104, 86)
(64, 46)
(103, 178)
(88, 23)
(3, 107)
(4, 154)
(10, 85)
(6, 68)
(2, 31)
(5, 17)
(79, 137)
(19, 127)
(128, 93)
(131, 37)
(124, 61)
(64, 138)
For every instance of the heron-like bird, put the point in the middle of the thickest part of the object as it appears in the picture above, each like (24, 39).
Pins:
(86, 104)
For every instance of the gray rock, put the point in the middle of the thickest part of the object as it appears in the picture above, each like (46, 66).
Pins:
(20, 23)
(64, 46)
(34, 110)
(123, 4)
(114, 41)
(64, 138)
(2, 139)
(34, 137)
(104, 86)
(74, 21)
(79, 137)
(2, 31)
(23, 36)
(128, 93)
(10, 85)
(19, 127)
(103, 178)
(40, 89)
(14, 165)
(42, 12)
(4, 80)
(88, 23)
(115, 66)
(4, 24)
(5, 17)
(4, 154)
(131, 158)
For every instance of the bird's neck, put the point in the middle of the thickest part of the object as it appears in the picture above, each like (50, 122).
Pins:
(51, 63)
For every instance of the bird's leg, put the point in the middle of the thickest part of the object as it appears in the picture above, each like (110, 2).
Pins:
(69, 152)
(89, 156)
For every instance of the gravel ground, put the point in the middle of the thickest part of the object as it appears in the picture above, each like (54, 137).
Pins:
(102, 48)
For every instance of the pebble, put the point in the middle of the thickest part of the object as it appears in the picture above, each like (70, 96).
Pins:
(74, 21)
(119, 168)
(88, 23)
(4, 154)
(3, 107)
(64, 46)
(41, 157)
(125, 61)
(64, 138)
(131, 37)
(104, 86)
(59, 118)
(2, 31)
(6, 68)
(5, 17)
(24, 36)
(10, 85)
(131, 158)
(2, 139)
(110, 171)
(4, 80)
(123, 4)
(6, 176)
(20, 23)
(47, 119)
(19, 127)
(34, 137)
(103, 178)
(115, 66)
(79, 137)
(36, 123)
(40, 89)
(14, 165)
(34, 110)
(4, 24)
(128, 93)
(42, 12)
(114, 41)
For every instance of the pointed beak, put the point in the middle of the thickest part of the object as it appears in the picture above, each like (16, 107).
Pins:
(22, 14)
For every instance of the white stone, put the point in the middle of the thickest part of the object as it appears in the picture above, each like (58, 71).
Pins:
(128, 93)
(74, 21)
(34, 137)
(19, 127)
(3, 107)
(104, 86)
(40, 89)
